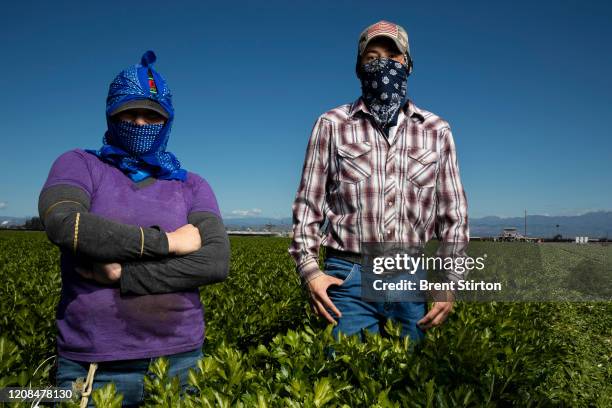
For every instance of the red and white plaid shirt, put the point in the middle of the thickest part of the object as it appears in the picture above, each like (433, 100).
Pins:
(359, 187)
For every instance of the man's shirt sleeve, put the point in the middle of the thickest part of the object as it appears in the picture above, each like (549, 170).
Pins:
(308, 212)
(452, 228)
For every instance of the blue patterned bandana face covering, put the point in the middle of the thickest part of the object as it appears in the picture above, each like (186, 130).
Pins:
(140, 151)
(383, 87)
(135, 139)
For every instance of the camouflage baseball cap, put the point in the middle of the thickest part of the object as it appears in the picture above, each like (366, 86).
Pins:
(386, 29)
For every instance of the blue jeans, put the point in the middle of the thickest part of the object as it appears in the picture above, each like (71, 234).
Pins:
(359, 315)
(128, 375)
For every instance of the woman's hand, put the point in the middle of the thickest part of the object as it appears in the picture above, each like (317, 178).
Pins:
(106, 274)
(184, 240)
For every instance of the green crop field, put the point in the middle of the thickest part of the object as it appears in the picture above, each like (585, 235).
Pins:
(264, 347)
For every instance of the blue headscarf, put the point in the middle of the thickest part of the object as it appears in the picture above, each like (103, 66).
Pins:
(131, 84)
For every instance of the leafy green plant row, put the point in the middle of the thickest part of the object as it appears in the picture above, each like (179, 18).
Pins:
(264, 348)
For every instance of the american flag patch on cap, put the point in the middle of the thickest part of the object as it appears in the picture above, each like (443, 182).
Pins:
(387, 29)
(382, 27)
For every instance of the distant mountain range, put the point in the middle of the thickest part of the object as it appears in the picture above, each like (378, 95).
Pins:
(258, 223)
(11, 221)
(593, 224)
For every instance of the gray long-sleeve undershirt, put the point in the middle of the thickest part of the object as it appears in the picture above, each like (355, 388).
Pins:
(58, 207)
(209, 264)
(147, 268)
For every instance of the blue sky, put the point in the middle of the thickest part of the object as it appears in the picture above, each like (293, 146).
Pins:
(526, 87)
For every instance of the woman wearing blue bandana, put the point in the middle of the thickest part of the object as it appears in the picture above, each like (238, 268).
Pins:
(140, 149)
(138, 235)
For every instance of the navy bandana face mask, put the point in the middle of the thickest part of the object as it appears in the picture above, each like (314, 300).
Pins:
(135, 139)
(383, 87)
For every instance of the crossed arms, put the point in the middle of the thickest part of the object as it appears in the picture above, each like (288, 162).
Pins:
(152, 261)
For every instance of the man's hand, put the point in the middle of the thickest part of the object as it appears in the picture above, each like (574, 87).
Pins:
(439, 311)
(106, 274)
(184, 240)
(319, 299)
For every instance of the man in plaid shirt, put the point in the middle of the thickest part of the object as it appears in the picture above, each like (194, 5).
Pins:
(377, 170)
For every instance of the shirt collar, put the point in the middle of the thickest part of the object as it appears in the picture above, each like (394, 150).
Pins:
(409, 108)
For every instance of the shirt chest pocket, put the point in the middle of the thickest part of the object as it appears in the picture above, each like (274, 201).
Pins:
(418, 166)
(354, 162)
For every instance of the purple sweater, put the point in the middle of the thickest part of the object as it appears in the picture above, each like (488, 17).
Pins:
(94, 322)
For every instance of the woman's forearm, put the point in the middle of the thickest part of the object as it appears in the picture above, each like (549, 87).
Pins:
(209, 264)
(64, 211)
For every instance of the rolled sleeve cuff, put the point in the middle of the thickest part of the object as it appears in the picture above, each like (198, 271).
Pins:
(127, 283)
(454, 250)
(155, 242)
(309, 269)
